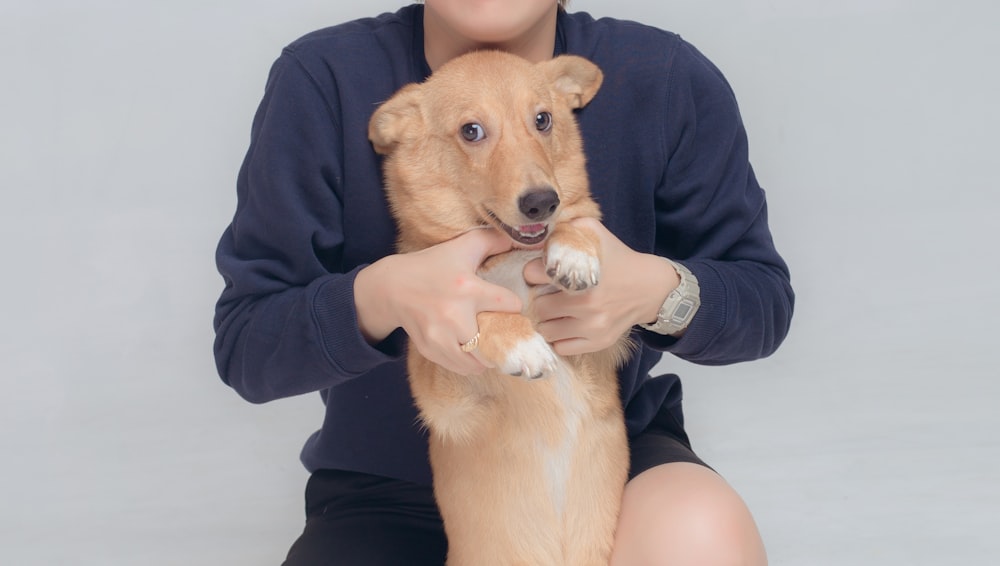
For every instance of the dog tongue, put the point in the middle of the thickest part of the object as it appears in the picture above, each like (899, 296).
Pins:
(531, 228)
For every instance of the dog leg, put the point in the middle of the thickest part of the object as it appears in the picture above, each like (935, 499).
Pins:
(508, 341)
(572, 258)
(596, 490)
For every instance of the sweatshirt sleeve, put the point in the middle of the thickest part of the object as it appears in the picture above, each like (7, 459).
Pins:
(711, 216)
(286, 322)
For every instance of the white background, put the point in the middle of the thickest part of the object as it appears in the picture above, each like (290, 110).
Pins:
(870, 438)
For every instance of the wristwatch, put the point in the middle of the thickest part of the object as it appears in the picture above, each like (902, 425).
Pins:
(677, 311)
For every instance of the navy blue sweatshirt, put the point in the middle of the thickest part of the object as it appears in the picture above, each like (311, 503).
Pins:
(667, 158)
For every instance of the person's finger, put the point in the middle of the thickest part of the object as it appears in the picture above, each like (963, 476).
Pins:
(494, 298)
(476, 245)
(534, 273)
(553, 306)
(468, 358)
(572, 347)
(481, 359)
(452, 358)
(558, 329)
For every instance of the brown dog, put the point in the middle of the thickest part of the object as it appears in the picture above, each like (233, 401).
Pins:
(526, 470)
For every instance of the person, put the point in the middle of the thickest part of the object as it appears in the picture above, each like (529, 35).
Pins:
(316, 299)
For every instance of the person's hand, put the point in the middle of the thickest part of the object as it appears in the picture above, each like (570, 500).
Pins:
(633, 285)
(434, 295)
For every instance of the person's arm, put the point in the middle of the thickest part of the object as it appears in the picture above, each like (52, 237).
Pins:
(285, 322)
(288, 321)
(711, 217)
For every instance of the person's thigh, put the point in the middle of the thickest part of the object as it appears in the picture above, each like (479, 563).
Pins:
(359, 519)
(682, 514)
(677, 510)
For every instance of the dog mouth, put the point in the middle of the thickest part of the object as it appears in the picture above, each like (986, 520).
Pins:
(525, 234)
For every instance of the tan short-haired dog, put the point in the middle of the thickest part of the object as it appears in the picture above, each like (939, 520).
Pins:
(528, 470)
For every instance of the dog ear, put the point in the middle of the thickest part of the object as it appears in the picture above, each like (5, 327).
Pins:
(397, 119)
(574, 79)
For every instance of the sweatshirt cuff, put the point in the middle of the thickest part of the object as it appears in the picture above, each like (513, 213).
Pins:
(707, 323)
(336, 317)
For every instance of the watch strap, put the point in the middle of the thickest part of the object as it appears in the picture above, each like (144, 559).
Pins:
(680, 305)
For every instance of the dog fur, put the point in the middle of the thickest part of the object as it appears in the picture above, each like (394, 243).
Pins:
(528, 470)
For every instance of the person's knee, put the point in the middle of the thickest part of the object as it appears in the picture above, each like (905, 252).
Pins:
(680, 514)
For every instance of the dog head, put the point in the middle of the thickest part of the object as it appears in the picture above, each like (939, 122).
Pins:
(488, 139)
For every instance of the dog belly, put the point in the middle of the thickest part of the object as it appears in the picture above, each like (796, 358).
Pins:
(538, 482)
(526, 472)
(507, 270)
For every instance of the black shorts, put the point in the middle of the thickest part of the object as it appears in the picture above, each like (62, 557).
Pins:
(360, 519)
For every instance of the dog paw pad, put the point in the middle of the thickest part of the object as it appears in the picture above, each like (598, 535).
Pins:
(530, 359)
(571, 268)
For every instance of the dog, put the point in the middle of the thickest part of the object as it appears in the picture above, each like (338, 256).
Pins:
(529, 460)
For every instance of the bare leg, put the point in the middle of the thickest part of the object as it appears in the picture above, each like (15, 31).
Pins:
(683, 514)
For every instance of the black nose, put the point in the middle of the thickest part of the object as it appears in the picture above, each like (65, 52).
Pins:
(539, 204)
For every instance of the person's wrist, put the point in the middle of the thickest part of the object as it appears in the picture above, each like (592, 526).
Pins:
(660, 281)
(680, 305)
(371, 303)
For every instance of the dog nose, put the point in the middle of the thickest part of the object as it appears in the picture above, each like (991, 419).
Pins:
(539, 204)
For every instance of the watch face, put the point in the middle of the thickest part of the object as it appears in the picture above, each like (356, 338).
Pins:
(682, 311)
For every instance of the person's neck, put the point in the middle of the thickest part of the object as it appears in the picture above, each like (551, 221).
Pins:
(441, 43)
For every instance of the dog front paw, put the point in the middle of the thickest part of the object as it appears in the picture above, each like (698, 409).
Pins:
(571, 268)
(530, 358)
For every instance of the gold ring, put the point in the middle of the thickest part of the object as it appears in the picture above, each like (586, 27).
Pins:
(471, 344)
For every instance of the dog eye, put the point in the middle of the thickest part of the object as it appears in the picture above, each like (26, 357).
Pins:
(473, 132)
(543, 121)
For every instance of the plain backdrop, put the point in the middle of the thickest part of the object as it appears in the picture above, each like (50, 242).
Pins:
(870, 438)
